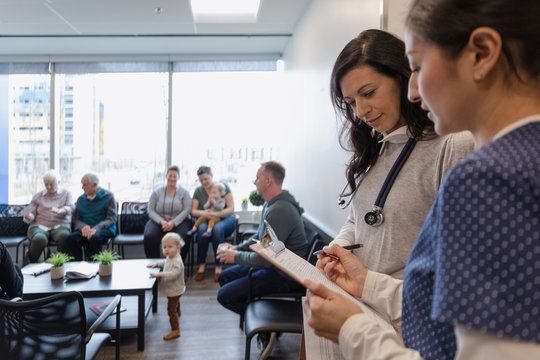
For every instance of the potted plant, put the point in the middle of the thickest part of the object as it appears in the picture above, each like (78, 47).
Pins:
(58, 259)
(106, 257)
(245, 204)
(256, 200)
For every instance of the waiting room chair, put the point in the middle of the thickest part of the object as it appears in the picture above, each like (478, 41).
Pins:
(13, 229)
(277, 313)
(245, 229)
(53, 327)
(131, 221)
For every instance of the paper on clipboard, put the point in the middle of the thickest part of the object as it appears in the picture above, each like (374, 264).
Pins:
(300, 270)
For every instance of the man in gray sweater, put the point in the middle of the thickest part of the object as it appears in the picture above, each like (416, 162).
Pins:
(284, 214)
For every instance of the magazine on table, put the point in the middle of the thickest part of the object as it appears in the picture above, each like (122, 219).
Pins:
(83, 270)
(99, 308)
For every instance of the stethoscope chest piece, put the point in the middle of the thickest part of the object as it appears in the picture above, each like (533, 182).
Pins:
(374, 217)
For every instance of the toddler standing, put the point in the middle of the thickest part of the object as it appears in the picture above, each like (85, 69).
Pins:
(171, 279)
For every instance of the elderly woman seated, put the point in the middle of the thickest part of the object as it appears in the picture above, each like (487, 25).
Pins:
(49, 216)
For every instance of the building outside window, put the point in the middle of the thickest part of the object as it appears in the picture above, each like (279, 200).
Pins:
(116, 124)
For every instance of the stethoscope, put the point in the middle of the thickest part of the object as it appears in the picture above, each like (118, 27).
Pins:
(375, 216)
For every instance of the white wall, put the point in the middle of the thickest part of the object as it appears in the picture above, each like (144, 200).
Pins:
(314, 160)
(396, 14)
(310, 150)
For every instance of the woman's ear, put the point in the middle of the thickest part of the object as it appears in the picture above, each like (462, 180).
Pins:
(486, 44)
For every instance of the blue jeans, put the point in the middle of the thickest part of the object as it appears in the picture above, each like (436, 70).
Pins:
(153, 235)
(222, 229)
(233, 293)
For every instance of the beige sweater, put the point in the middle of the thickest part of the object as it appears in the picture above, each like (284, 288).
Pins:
(387, 247)
(172, 283)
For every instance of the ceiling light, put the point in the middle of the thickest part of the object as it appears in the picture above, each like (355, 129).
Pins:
(225, 11)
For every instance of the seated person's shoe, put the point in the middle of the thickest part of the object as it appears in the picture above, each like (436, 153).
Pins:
(199, 276)
(172, 335)
(216, 277)
(190, 232)
(207, 234)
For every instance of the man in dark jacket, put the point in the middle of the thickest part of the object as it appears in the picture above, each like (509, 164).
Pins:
(284, 214)
(94, 220)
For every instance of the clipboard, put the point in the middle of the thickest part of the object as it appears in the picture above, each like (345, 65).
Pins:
(299, 269)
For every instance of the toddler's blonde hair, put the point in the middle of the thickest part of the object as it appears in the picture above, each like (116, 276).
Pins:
(174, 237)
(219, 186)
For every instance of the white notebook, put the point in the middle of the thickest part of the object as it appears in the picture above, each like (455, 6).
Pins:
(36, 269)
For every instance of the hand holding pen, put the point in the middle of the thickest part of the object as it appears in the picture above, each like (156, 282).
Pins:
(347, 247)
(344, 268)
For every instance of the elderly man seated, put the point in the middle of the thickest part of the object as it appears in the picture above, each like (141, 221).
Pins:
(95, 220)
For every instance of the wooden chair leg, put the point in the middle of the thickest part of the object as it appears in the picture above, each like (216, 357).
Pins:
(268, 349)
(302, 355)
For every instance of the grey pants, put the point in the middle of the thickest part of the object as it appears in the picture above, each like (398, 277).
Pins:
(39, 239)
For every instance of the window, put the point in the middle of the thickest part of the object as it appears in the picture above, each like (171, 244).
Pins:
(28, 133)
(116, 128)
(219, 114)
(112, 119)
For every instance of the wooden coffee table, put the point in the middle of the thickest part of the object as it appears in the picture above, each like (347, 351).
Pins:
(130, 278)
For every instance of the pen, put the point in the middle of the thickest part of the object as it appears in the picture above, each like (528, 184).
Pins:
(348, 247)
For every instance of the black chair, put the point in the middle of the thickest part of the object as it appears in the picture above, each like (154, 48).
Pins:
(13, 229)
(245, 229)
(53, 327)
(277, 313)
(131, 221)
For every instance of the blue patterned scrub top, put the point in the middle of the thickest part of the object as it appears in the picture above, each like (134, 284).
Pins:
(477, 259)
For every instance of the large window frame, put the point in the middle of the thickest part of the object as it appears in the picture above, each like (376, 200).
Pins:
(53, 69)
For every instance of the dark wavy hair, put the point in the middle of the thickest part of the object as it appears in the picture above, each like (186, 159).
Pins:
(384, 53)
(449, 24)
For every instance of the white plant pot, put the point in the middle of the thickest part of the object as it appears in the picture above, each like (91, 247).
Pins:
(256, 216)
(57, 272)
(105, 270)
(244, 206)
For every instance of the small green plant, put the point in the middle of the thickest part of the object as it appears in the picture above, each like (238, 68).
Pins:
(59, 258)
(255, 198)
(106, 256)
(245, 200)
